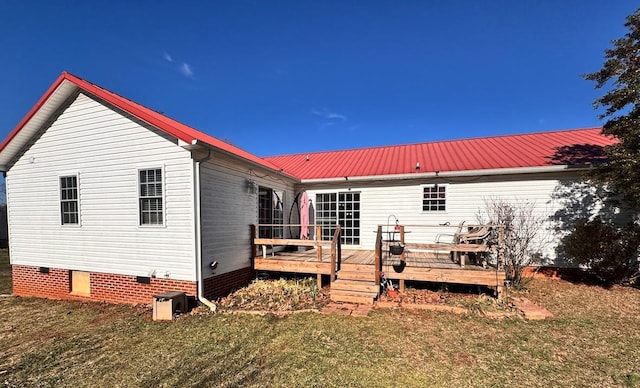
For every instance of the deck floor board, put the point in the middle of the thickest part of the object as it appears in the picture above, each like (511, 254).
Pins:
(418, 266)
(365, 257)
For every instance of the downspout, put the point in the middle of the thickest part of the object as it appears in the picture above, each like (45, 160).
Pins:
(198, 232)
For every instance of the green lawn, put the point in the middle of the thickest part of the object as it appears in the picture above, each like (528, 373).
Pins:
(594, 340)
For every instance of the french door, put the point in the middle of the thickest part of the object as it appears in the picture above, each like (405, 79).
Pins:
(339, 208)
(270, 212)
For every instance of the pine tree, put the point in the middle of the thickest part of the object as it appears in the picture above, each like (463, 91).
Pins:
(621, 103)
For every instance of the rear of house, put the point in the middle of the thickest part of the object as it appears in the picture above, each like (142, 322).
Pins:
(109, 200)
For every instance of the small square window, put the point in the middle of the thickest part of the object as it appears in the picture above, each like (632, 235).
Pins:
(434, 198)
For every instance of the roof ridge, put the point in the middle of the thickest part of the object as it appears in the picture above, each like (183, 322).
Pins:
(152, 117)
(131, 101)
(436, 142)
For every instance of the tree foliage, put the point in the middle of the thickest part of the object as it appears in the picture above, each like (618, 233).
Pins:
(611, 253)
(621, 104)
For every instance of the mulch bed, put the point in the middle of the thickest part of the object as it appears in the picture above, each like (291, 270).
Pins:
(285, 297)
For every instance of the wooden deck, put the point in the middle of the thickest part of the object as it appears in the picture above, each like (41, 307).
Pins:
(418, 266)
(355, 275)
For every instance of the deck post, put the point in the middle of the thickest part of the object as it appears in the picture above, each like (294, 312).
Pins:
(252, 233)
(339, 252)
(335, 249)
(333, 261)
(378, 255)
(402, 257)
(319, 253)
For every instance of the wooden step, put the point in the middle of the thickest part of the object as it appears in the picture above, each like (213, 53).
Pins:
(355, 275)
(354, 285)
(361, 297)
(357, 267)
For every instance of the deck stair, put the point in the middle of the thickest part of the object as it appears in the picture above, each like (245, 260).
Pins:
(355, 283)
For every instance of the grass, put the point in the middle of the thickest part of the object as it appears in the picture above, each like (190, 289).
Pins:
(592, 341)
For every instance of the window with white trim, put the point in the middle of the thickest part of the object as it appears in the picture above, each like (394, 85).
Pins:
(434, 198)
(151, 206)
(69, 206)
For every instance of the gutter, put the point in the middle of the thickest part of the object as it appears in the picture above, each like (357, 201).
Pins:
(195, 143)
(449, 174)
(198, 231)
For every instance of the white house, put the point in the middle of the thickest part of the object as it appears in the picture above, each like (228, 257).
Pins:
(110, 200)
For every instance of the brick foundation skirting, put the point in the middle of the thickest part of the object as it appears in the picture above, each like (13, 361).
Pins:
(104, 287)
(222, 285)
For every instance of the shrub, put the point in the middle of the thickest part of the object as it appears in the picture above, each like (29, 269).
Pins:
(524, 239)
(611, 253)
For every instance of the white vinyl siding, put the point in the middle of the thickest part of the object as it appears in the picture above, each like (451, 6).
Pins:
(107, 149)
(228, 209)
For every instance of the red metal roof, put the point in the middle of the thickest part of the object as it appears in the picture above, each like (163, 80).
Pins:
(158, 120)
(569, 147)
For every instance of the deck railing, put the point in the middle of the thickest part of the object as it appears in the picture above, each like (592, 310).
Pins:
(317, 243)
(465, 239)
(378, 255)
(336, 252)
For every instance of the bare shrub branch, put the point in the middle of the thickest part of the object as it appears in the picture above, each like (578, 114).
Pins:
(525, 230)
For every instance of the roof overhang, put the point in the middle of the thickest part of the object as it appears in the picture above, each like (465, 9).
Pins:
(35, 119)
(201, 145)
(66, 85)
(450, 174)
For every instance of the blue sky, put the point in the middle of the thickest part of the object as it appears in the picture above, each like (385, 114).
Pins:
(278, 77)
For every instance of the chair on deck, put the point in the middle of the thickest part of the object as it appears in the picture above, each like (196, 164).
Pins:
(476, 235)
(454, 236)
